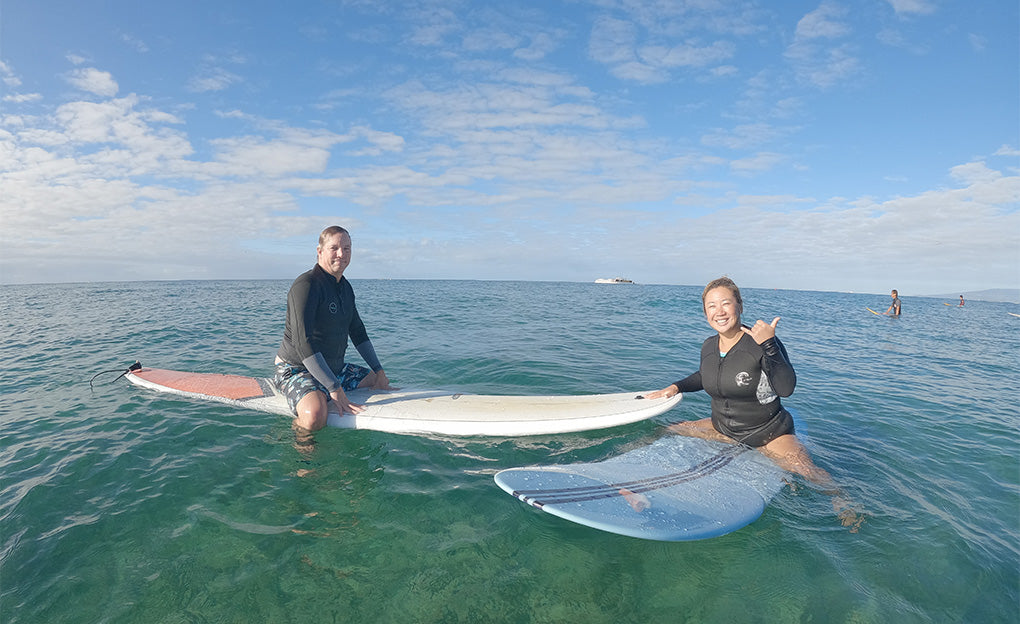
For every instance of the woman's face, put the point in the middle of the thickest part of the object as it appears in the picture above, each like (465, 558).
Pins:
(722, 310)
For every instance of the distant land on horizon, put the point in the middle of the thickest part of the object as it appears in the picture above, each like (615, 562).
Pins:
(1002, 295)
(997, 295)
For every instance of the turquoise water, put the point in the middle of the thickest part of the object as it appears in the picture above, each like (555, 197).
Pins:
(121, 505)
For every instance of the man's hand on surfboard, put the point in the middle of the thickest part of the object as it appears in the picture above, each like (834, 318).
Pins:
(382, 382)
(344, 404)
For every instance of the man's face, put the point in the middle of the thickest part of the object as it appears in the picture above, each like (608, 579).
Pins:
(335, 254)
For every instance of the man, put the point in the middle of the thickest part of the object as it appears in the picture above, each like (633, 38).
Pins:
(321, 316)
(894, 308)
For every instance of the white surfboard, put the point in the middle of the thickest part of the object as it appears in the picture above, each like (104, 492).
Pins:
(675, 489)
(424, 411)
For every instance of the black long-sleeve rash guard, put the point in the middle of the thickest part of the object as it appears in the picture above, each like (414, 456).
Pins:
(321, 316)
(745, 386)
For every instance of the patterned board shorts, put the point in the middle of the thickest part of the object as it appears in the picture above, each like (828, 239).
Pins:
(294, 382)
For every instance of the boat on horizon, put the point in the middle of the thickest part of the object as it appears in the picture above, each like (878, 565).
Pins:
(613, 280)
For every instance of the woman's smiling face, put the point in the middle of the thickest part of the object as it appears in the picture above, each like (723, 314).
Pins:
(722, 311)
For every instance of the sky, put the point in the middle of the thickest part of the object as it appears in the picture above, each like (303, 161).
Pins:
(835, 145)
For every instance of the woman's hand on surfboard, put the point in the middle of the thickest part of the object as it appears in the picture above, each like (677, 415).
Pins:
(666, 392)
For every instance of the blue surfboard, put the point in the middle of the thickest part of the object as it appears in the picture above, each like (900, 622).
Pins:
(675, 489)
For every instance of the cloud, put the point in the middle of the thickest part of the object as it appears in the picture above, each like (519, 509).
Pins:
(94, 81)
(494, 194)
(8, 77)
(488, 39)
(974, 172)
(742, 136)
(432, 25)
(762, 161)
(823, 23)
(541, 45)
(379, 142)
(687, 54)
(946, 236)
(212, 75)
(503, 158)
(21, 98)
(612, 41)
(134, 42)
(460, 109)
(814, 54)
(254, 157)
(213, 79)
(896, 39)
(122, 123)
(615, 43)
(912, 7)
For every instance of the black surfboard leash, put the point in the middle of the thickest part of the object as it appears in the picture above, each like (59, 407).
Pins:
(123, 371)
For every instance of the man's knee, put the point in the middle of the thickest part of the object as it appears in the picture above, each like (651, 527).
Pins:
(312, 411)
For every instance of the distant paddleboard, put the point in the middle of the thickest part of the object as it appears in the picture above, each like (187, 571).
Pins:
(1013, 314)
(423, 411)
(676, 489)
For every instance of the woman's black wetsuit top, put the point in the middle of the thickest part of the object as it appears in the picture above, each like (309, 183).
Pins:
(745, 386)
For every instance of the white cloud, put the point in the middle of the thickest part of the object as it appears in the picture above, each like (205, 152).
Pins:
(213, 79)
(912, 7)
(974, 172)
(134, 42)
(742, 136)
(253, 157)
(487, 39)
(379, 142)
(122, 122)
(556, 191)
(762, 161)
(815, 55)
(540, 45)
(21, 98)
(615, 43)
(896, 39)
(212, 74)
(825, 22)
(687, 54)
(93, 81)
(431, 26)
(8, 77)
(502, 158)
(612, 41)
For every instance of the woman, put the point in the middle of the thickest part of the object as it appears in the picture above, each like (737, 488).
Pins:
(745, 370)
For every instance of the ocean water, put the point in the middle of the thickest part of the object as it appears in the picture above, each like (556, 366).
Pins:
(122, 505)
